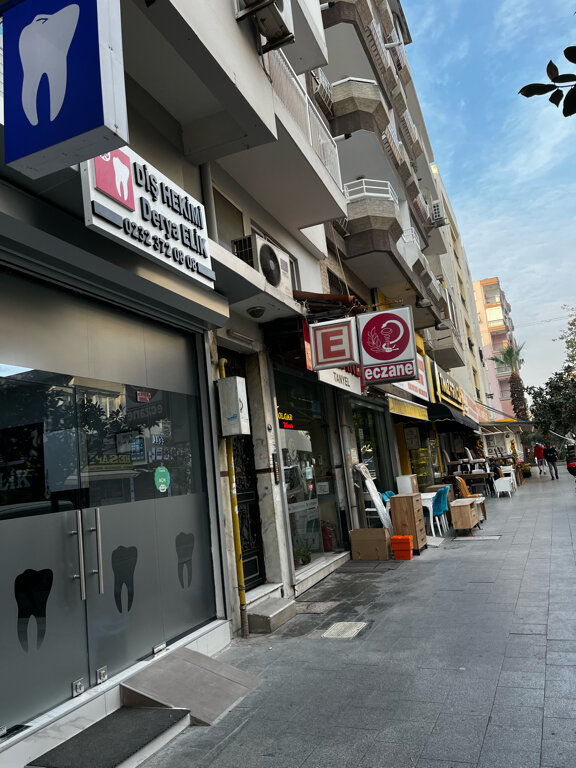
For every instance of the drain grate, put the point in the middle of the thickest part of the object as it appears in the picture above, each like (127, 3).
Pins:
(344, 629)
(476, 538)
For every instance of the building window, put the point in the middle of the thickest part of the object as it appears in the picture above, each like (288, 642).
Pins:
(229, 220)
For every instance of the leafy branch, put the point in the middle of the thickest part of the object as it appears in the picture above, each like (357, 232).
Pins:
(557, 83)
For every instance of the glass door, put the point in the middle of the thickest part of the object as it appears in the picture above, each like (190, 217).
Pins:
(43, 636)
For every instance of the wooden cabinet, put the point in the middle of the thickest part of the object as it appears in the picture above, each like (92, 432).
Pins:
(464, 514)
(408, 518)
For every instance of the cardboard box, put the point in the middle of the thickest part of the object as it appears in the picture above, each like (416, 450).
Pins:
(370, 544)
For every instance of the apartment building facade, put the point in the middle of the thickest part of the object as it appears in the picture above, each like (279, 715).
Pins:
(117, 541)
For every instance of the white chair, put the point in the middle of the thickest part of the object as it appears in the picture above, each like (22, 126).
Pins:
(509, 472)
(503, 485)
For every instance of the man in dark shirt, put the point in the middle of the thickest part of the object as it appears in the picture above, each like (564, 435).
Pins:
(551, 456)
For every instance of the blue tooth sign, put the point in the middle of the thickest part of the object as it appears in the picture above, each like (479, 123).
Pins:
(54, 90)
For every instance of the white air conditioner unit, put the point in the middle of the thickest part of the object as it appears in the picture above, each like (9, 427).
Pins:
(437, 213)
(273, 263)
(274, 18)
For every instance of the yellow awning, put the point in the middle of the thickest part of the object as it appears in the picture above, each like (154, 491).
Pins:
(407, 408)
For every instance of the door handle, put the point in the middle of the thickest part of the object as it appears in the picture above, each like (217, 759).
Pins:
(81, 575)
(100, 570)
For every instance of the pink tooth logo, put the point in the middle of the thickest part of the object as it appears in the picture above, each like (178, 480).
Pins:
(114, 177)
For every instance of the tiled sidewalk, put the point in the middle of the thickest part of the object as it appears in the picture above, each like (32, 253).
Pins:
(468, 659)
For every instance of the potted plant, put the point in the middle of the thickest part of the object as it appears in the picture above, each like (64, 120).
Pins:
(302, 554)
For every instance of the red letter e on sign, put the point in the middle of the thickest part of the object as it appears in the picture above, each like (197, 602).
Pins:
(334, 344)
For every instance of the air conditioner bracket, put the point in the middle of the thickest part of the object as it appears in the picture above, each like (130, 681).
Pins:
(253, 9)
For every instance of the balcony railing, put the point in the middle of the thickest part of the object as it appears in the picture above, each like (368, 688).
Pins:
(355, 190)
(392, 143)
(377, 42)
(292, 94)
(323, 90)
(411, 236)
(422, 207)
(409, 126)
(502, 370)
(398, 53)
(497, 323)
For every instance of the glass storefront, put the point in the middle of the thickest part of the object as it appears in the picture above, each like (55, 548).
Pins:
(309, 481)
(370, 431)
(106, 544)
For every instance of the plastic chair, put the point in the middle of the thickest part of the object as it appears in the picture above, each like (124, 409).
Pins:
(386, 496)
(509, 472)
(465, 494)
(503, 485)
(438, 511)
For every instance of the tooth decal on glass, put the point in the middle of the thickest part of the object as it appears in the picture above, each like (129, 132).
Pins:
(31, 590)
(123, 565)
(122, 174)
(184, 548)
(43, 48)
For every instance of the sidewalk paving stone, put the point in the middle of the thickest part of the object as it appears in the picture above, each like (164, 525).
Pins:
(468, 659)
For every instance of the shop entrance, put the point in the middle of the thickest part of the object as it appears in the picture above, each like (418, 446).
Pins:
(247, 492)
(105, 543)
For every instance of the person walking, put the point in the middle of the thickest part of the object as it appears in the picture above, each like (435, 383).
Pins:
(539, 456)
(551, 456)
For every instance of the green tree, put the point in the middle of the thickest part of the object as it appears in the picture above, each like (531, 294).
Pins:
(511, 357)
(554, 404)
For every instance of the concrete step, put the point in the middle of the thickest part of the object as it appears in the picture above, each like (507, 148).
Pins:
(267, 616)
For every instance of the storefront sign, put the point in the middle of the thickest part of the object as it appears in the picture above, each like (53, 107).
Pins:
(419, 387)
(412, 438)
(136, 205)
(475, 410)
(162, 479)
(64, 96)
(447, 389)
(343, 379)
(334, 344)
(407, 408)
(387, 346)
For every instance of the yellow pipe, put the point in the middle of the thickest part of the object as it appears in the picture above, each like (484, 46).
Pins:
(235, 522)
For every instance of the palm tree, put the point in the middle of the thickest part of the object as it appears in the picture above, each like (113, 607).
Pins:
(511, 357)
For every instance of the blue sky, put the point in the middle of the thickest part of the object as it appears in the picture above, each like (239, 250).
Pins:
(508, 163)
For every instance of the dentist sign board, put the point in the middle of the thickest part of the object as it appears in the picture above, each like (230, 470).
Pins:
(131, 202)
(387, 346)
(64, 97)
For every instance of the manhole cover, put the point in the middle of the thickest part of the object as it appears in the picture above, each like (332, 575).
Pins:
(343, 629)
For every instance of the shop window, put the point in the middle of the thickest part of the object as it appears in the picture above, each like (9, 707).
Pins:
(97, 443)
(309, 483)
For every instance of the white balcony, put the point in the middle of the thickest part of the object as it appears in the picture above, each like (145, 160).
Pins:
(363, 188)
(384, 63)
(323, 91)
(422, 208)
(291, 92)
(411, 132)
(297, 177)
(393, 144)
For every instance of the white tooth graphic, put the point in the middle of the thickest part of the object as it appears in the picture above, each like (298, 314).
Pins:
(122, 174)
(44, 46)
